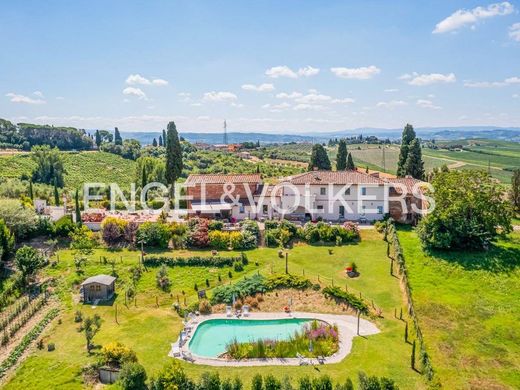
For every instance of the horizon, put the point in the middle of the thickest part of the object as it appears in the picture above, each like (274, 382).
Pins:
(372, 65)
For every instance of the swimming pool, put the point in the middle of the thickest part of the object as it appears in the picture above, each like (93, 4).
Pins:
(212, 336)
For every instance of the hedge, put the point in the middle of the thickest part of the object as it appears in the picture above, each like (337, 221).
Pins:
(194, 261)
(351, 299)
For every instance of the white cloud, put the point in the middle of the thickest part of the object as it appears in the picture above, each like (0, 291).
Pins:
(343, 101)
(514, 32)
(362, 73)
(137, 79)
(223, 96)
(391, 90)
(159, 82)
(515, 96)
(135, 92)
(276, 107)
(423, 103)
(462, 17)
(313, 98)
(258, 88)
(305, 107)
(392, 104)
(237, 105)
(38, 93)
(421, 80)
(292, 95)
(492, 84)
(406, 76)
(281, 71)
(308, 71)
(16, 98)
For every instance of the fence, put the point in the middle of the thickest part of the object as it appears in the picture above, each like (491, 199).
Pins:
(393, 240)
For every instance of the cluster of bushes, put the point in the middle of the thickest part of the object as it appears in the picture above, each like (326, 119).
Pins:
(174, 377)
(26, 341)
(255, 285)
(195, 261)
(117, 232)
(322, 232)
(241, 289)
(280, 233)
(287, 281)
(203, 233)
(352, 300)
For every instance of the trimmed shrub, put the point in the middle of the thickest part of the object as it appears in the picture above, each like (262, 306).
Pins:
(287, 281)
(350, 299)
(192, 261)
(154, 234)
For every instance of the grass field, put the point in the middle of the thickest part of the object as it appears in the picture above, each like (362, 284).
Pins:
(468, 306)
(149, 330)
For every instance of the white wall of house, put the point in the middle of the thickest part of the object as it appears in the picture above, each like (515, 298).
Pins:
(332, 202)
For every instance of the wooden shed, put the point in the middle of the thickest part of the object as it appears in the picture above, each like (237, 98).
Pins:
(99, 287)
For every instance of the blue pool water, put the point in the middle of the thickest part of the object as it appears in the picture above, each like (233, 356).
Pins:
(212, 336)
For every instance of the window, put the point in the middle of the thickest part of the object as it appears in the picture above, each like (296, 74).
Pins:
(363, 191)
(380, 209)
(342, 211)
(265, 208)
(320, 207)
(323, 190)
(347, 191)
(242, 209)
(363, 210)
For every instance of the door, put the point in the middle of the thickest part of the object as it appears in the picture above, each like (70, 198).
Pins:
(342, 211)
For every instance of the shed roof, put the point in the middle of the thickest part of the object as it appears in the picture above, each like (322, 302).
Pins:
(107, 280)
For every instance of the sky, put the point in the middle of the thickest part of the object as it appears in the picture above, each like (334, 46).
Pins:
(269, 66)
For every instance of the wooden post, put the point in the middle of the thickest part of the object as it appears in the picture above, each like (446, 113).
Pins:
(358, 315)
(126, 297)
(178, 302)
(332, 279)
(395, 312)
(318, 278)
(286, 262)
(135, 301)
(346, 288)
(392, 267)
(121, 258)
(156, 301)
(116, 314)
(401, 314)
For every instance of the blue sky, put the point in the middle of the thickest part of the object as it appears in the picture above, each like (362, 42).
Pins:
(270, 66)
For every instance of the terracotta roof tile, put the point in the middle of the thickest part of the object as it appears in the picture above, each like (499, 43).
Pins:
(333, 177)
(222, 179)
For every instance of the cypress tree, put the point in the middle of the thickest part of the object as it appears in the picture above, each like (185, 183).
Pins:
(56, 194)
(154, 142)
(406, 332)
(341, 160)
(350, 162)
(76, 208)
(515, 189)
(31, 193)
(160, 141)
(173, 156)
(164, 137)
(98, 138)
(117, 137)
(143, 177)
(414, 165)
(407, 137)
(319, 158)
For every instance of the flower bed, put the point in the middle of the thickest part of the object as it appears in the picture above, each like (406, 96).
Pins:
(316, 339)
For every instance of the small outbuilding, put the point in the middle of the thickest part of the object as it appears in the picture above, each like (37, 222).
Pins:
(99, 287)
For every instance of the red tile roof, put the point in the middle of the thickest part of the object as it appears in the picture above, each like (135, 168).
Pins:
(333, 177)
(409, 182)
(223, 179)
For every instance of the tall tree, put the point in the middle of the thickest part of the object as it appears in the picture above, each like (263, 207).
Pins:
(98, 139)
(406, 139)
(319, 158)
(154, 143)
(515, 190)
(173, 156)
(56, 194)
(31, 191)
(77, 208)
(160, 141)
(341, 159)
(164, 137)
(350, 162)
(414, 165)
(117, 137)
(28, 260)
(49, 165)
(470, 212)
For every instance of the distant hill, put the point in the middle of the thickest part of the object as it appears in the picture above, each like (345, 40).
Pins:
(439, 133)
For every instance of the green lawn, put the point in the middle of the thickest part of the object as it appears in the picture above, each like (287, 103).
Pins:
(468, 306)
(149, 329)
